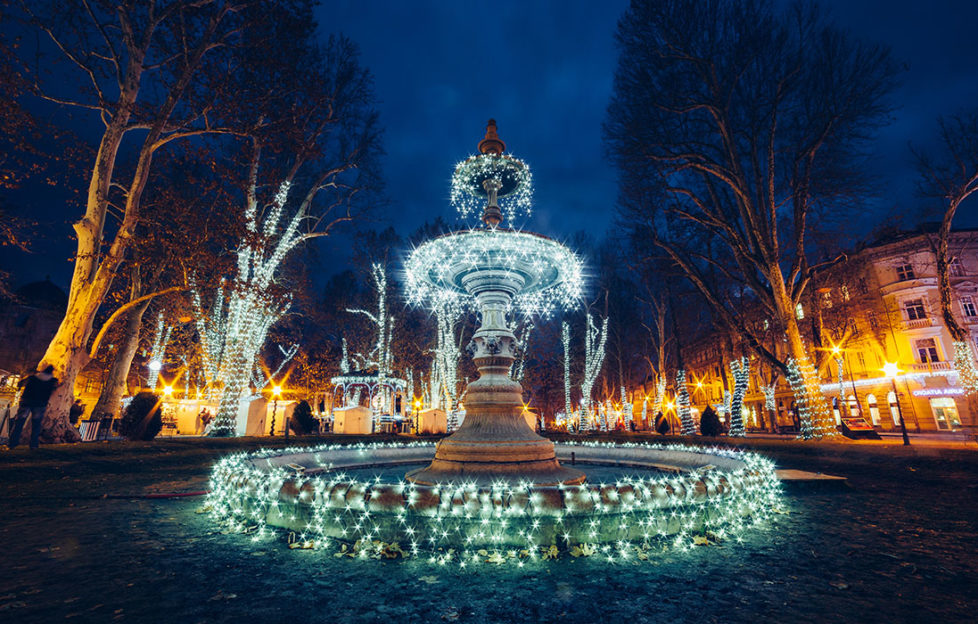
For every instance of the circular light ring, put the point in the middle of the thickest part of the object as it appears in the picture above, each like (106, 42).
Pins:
(515, 194)
(306, 491)
(551, 274)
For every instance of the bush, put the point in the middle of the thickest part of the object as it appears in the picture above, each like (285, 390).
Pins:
(662, 424)
(302, 421)
(710, 423)
(142, 418)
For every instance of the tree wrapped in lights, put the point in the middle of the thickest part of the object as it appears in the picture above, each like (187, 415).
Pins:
(741, 374)
(565, 340)
(815, 420)
(158, 350)
(444, 366)
(594, 344)
(682, 404)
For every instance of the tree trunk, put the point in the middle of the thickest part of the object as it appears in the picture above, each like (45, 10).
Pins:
(815, 417)
(110, 399)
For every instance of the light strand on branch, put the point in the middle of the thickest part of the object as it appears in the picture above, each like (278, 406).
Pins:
(682, 404)
(815, 421)
(741, 374)
(964, 362)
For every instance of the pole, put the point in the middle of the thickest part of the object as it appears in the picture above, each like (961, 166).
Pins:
(903, 425)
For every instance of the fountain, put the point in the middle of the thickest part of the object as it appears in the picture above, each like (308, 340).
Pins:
(491, 267)
(494, 490)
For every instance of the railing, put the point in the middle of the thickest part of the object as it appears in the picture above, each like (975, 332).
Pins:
(918, 323)
(928, 367)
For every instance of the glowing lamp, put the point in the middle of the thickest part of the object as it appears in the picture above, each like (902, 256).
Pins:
(890, 369)
(168, 390)
(155, 365)
(277, 391)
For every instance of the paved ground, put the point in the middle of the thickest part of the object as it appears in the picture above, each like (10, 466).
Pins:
(898, 545)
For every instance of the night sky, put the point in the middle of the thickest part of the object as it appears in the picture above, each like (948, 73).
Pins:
(543, 70)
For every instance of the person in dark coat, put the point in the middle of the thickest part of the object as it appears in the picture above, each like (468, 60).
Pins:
(34, 400)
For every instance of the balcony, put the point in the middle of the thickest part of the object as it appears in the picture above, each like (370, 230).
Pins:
(931, 367)
(919, 323)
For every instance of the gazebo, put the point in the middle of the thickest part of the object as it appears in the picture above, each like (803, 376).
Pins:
(385, 396)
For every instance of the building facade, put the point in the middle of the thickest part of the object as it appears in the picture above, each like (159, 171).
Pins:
(881, 306)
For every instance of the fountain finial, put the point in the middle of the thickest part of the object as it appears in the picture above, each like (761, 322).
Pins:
(492, 144)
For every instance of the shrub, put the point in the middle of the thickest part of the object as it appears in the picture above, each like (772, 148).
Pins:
(662, 424)
(142, 418)
(710, 423)
(302, 421)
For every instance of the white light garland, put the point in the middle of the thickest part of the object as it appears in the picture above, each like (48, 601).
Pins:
(469, 196)
(158, 351)
(741, 374)
(552, 275)
(682, 404)
(964, 362)
(814, 418)
(466, 524)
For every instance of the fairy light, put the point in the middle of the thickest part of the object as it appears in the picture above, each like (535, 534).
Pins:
(595, 340)
(741, 374)
(964, 362)
(815, 420)
(158, 351)
(552, 276)
(244, 308)
(682, 404)
(468, 193)
(467, 524)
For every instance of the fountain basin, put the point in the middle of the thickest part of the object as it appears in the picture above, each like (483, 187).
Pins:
(334, 495)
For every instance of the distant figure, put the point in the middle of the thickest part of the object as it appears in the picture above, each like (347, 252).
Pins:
(75, 412)
(37, 390)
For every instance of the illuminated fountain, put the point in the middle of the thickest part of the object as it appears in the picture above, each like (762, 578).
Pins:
(494, 490)
(494, 268)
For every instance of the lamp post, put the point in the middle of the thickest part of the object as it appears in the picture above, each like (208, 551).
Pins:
(891, 370)
(276, 393)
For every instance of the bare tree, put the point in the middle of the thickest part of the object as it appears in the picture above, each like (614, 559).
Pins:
(952, 175)
(733, 125)
(136, 64)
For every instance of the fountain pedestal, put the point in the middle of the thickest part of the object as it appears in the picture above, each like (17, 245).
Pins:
(494, 442)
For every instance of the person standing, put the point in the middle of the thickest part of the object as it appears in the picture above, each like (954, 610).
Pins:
(34, 400)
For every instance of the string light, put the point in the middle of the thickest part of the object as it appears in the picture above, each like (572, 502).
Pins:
(721, 493)
(964, 362)
(682, 404)
(515, 181)
(813, 416)
(158, 351)
(741, 374)
(594, 350)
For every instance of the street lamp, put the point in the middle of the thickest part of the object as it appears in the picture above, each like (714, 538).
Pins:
(891, 370)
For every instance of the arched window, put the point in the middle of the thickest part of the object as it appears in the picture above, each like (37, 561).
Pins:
(894, 408)
(854, 409)
(835, 410)
(874, 410)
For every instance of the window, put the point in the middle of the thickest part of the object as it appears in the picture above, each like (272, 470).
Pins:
(862, 360)
(854, 409)
(799, 312)
(968, 306)
(845, 292)
(874, 410)
(945, 413)
(915, 309)
(905, 272)
(91, 386)
(954, 267)
(894, 408)
(926, 349)
(874, 322)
